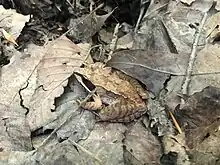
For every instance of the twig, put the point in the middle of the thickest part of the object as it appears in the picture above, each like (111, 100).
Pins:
(79, 79)
(140, 16)
(114, 41)
(67, 119)
(85, 150)
(163, 71)
(175, 122)
(147, 67)
(189, 70)
(91, 5)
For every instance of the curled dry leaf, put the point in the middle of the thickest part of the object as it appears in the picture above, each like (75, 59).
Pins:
(60, 59)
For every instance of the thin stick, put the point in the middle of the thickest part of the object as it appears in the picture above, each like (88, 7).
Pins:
(114, 41)
(150, 68)
(185, 85)
(85, 150)
(175, 122)
(163, 71)
(91, 5)
(140, 16)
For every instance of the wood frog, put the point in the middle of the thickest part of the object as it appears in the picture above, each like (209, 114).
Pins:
(123, 98)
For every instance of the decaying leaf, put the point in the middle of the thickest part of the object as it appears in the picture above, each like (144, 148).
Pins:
(205, 73)
(200, 120)
(200, 111)
(158, 117)
(176, 144)
(15, 157)
(81, 123)
(206, 63)
(105, 141)
(180, 25)
(14, 126)
(85, 27)
(140, 147)
(60, 59)
(12, 21)
(150, 67)
(103, 146)
(15, 134)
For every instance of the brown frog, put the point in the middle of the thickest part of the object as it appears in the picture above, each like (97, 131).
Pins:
(123, 98)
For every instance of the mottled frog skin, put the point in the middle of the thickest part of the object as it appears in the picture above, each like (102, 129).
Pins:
(118, 108)
(122, 97)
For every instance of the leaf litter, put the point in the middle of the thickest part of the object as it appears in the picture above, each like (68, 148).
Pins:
(173, 55)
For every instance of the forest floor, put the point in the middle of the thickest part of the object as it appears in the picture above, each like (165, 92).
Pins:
(114, 82)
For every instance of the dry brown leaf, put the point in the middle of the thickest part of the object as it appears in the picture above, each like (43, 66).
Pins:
(206, 70)
(207, 62)
(151, 67)
(176, 144)
(200, 120)
(198, 114)
(81, 122)
(15, 134)
(15, 130)
(86, 26)
(105, 142)
(60, 59)
(139, 141)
